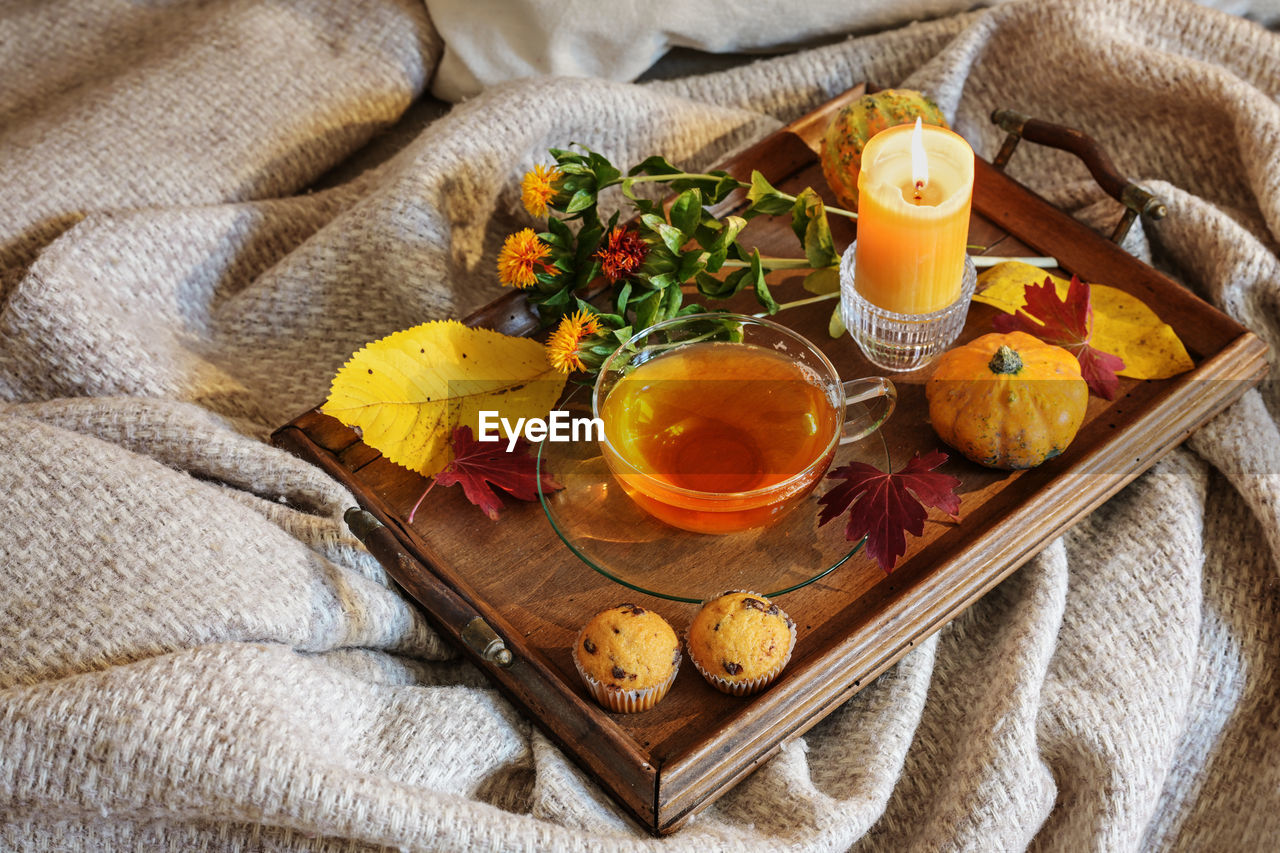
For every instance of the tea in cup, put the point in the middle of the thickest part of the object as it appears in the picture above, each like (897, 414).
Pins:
(717, 423)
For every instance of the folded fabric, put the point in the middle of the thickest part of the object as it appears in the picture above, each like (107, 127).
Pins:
(487, 42)
(195, 653)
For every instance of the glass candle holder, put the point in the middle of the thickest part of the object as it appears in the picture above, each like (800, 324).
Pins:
(901, 342)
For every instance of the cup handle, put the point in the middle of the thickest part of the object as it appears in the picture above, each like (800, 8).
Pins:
(865, 423)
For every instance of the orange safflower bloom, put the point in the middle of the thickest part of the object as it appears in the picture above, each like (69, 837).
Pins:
(520, 254)
(622, 253)
(562, 348)
(538, 188)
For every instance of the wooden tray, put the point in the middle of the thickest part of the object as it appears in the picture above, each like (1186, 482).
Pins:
(664, 765)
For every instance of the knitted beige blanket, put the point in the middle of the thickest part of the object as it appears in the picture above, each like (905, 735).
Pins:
(195, 654)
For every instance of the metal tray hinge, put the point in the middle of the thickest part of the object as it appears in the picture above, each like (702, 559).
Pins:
(1012, 123)
(1137, 201)
(484, 641)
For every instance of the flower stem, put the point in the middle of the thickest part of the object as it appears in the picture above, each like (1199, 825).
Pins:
(425, 492)
(839, 211)
(812, 300)
(642, 179)
(772, 264)
(677, 176)
(694, 340)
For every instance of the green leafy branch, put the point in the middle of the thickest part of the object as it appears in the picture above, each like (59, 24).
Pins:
(665, 249)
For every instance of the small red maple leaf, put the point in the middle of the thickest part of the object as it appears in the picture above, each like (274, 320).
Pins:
(478, 465)
(1068, 324)
(883, 506)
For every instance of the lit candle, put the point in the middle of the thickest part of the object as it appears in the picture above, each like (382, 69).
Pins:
(914, 193)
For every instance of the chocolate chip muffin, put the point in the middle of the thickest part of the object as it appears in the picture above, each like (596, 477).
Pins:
(628, 657)
(740, 641)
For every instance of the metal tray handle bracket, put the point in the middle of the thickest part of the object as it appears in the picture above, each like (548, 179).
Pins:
(1137, 200)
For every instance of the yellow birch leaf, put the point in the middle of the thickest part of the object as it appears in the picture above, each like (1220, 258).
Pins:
(1131, 330)
(407, 392)
(1004, 285)
(1123, 325)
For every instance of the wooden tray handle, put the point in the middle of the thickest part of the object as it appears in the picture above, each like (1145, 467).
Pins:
(1136, 199)
(447, 612)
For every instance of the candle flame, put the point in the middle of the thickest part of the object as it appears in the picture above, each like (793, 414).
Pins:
(919, 161)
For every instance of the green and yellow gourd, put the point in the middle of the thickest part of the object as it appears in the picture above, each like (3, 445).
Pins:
(1007, 401)
(856, 123)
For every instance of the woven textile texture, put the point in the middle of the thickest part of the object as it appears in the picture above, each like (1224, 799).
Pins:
(195, 654)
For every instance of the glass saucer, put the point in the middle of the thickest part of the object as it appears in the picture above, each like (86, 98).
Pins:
(599, 523)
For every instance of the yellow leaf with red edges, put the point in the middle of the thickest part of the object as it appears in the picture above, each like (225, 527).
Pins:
(1123, 325)
(408, 392)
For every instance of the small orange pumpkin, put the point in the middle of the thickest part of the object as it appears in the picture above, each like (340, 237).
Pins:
(1007, 401)
(859, 120)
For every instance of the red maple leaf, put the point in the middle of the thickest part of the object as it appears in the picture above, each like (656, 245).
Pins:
(883, 506)
(478, 465)
(1067, 324)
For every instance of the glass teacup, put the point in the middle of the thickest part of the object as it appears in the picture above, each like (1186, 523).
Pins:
(717, 423)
